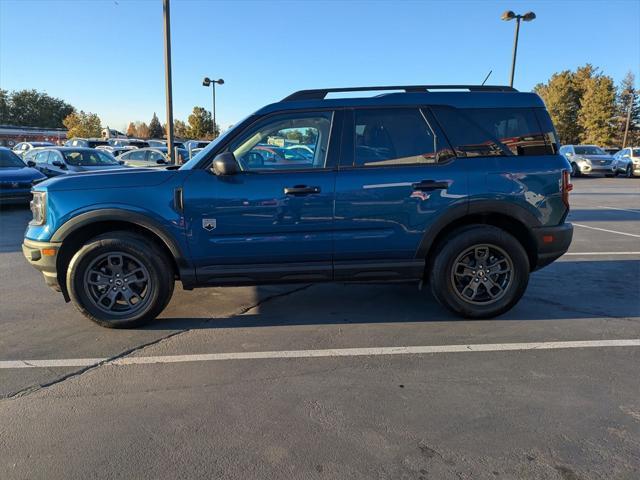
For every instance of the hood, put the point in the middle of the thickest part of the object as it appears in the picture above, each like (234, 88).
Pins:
(19, 174)
(114, 178)
(88, 168)
(597, 157)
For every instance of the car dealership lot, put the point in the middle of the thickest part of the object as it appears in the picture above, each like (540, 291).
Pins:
(536, 412)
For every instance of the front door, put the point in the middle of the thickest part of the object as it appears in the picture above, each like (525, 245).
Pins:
(397, 174)
(272, 221)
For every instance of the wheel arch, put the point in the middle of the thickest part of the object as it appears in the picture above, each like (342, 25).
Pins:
(77, 231)
(511, 218)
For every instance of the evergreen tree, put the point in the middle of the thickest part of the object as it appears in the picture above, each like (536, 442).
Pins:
(563, 103)
(597, 110)
(200, 124)
(155, 129)
(180, 129)
(627, 97)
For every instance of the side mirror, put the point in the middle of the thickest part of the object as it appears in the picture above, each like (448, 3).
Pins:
(121, 162)
(225, 164)
(59, 164)
(31, 163)
(160, 161)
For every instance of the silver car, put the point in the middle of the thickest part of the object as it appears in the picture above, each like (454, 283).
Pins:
(588, 160)
(627, 161)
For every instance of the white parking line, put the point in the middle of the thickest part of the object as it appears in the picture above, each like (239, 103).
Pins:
(605, 230)
(602, 253)
(621, 209)
(339, 352)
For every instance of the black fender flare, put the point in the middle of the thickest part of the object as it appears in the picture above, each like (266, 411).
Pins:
(474, 207)
(187, 271)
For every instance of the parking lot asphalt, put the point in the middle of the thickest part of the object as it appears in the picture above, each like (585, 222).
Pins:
(542, 411)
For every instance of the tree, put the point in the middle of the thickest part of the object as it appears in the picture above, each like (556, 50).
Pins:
(81, 124)
(30, 108)
(295, 135)
(131, 130)
(310, 136)
(597, 110)
(200, 124)
(155, 129)
(142, 130)
(562, 100)
(5, 118)
(180, 129)
(627, 98)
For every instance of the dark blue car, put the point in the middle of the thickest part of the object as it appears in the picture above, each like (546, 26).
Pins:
(462, 190)
(16, 179)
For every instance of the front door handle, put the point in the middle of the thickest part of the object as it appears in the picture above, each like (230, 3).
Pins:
(301, 190)
(430, 185)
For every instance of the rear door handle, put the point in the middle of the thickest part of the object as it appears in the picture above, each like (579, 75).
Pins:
(301, 190)
(429, 185)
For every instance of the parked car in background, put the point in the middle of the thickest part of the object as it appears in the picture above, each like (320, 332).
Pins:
(588, 160)
(16, 178)
(163, 143)
(115, 151)
(66, 160)
(85, 142)
(193, 144)
(611, 150)
(627, 161)
(463, 191)
(23, 147)
(151, 157)
(128, 142)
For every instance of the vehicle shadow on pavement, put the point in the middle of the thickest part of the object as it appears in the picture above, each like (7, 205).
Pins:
(603, 215)
(566, 290)
(13, 222)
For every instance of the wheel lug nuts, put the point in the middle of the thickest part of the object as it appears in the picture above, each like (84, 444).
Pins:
(114, 289)
(477, 279)
(110, 281)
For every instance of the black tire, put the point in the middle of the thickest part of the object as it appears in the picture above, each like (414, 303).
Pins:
(141, 261)
(575, 171)
(629, 172)
(447, 282)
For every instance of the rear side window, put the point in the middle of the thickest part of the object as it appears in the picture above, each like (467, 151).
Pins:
(480, 132)
(396, 136)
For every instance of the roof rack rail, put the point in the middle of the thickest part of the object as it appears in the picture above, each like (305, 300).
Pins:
(321, 93)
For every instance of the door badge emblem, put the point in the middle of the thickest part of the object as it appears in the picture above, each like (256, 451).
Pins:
(209, 224)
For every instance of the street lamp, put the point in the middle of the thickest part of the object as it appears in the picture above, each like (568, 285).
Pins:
(206, 82)
(527, 17)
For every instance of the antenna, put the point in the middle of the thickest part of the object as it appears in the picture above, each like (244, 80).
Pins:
(487, 77)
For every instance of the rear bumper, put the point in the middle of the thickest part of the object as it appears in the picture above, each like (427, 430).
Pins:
(43, 256)
(552, 243)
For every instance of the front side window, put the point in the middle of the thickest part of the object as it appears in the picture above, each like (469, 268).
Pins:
(155, 156)
(42, 157)
(479, 132)
(266, 146)
(395, 136)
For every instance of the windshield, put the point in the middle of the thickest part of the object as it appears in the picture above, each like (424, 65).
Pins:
(8, 159)
(589, 150)
(88, 158)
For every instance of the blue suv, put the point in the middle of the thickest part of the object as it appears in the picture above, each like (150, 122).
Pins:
(458, 187)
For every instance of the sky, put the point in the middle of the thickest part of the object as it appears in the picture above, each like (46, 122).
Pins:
(107, 57)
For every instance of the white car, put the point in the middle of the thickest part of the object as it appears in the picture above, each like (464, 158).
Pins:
(627, 161)
(588, 160)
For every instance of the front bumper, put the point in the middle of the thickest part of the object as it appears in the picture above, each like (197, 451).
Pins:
(15, 197)
(552, 243)
(43, 257)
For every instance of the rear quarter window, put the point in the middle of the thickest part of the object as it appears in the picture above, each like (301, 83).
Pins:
(481, 132)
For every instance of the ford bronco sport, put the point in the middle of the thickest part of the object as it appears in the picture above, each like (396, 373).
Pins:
(459, 187)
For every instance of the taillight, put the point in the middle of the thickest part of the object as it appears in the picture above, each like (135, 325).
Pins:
(567, 186)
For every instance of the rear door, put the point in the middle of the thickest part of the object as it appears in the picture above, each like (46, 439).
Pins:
(397, 175)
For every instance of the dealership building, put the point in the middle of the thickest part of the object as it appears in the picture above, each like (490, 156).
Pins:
(11, 134)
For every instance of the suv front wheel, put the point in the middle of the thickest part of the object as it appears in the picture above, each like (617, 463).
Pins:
(480, 271)
(120, 280)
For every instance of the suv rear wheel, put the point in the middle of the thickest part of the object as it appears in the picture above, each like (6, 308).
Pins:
(480, 271)
(120, 280)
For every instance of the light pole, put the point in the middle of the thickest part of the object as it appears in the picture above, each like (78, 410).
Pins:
(206, 82)
(626, 126)
(527, 17)
(166, 4)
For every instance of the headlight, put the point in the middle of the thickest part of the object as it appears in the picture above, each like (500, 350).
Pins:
(39, 208)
